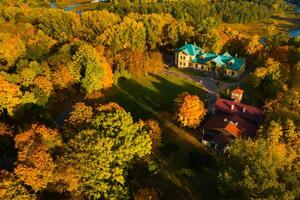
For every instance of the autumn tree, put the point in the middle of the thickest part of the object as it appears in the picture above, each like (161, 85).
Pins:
(62, 77)
(11, 96)
(95, 23)
(44, 84)
(92, 67)
(79, 119)
(129, 34)
(102, 152)
(38, 45)
(35, 165)
(190, 110)
(155, 134)
(11, 48)
(12, 188)
(154, 62)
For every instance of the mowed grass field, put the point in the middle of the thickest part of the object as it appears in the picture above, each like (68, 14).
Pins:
(144, 97)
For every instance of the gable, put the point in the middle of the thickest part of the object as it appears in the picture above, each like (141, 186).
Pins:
(190, 49)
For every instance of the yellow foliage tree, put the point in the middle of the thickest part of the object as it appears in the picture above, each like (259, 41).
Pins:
(11, 48)
(190, 110)
(10, 95)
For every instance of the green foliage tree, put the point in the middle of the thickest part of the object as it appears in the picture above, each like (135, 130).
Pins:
(102, 152)
(39, 45)
(91, 67)
(95, 23)
(129, 34)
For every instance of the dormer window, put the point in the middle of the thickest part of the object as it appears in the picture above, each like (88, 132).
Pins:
(231, 62)
(202, 56)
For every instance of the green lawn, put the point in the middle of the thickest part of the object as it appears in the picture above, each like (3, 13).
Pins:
(146, 96)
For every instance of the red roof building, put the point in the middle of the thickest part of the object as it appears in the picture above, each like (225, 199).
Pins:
(244, 111)
(232, 124)
(230, 119)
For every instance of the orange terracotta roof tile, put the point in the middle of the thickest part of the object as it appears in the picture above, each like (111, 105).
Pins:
(233, 129)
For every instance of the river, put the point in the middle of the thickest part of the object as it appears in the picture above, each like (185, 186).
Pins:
(295, 32)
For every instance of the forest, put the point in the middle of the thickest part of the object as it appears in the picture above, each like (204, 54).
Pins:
(89, 108)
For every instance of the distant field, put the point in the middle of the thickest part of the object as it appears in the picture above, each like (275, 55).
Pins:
(280, 22)
(147, 95)
(64, 3)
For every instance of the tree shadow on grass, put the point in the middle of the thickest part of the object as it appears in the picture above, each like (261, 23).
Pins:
(143, 102)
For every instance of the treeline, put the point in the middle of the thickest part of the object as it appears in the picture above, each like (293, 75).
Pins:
(202, 14)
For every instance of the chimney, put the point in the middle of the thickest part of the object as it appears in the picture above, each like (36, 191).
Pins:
(225, 120)
(236, 55)
(232, 107)
(185, 42)
(244, 109)
(194, 43)
(236, 123)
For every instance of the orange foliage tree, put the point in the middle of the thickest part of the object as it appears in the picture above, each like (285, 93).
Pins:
(35, 165)
(62, 77)
(190, 110)
(12, 188)
(44, 84)
(154, 62)
(79, 119)
(10, 95)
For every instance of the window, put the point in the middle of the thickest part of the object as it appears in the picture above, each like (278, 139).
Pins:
(180, 63)
(183, 64)
(232, 73)
(190, 64)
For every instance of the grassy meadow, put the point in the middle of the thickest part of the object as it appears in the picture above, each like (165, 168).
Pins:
(145, 96)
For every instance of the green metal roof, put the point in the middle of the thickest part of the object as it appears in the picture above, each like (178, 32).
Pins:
(225, 60)
(190, 49)
(204, 58)
(229, 62)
